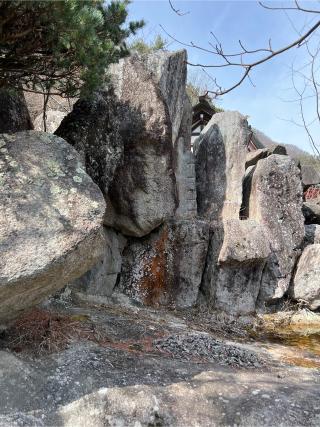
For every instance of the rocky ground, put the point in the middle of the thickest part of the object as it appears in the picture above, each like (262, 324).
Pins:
(122, 365)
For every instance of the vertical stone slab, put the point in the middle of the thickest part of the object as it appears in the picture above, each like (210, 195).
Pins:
(238, 249)
(220, 166)
(276, 202)
(184, 167)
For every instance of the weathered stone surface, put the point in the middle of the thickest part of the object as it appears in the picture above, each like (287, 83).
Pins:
(220, 166)
(238, 249)
(244, 242)
(165, 268)
(102, 278)
(237, 255)
(311, 212)
(143, 193)
(184, 168)
(50, 221)
(309, 175)
(14, 114)
(306, 283)
(276, 201)
(312, 234)
(53, 120)
(93, 128)
(169, 71)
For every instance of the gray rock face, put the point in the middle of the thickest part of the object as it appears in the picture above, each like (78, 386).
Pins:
(165, 268)
(306, 284)
(312, 234)
(169, 72)
(276, 201)
(50, 221)
(53, 121)
(236, 259)
(151, 91)
(184, 167)
(14, 114)
(102, 278)
(309, 176)
(220, 166)
(238, 249)
(311, 212)
(93, 128)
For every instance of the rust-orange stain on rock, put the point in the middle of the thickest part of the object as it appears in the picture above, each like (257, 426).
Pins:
(154, 283)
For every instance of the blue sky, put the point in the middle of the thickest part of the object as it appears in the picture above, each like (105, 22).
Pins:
(265, 104)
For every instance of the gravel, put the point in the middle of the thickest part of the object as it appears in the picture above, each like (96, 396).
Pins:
(204, 348)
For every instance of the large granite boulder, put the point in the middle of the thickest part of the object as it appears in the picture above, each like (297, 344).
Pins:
(93, 128)
(151, 91)
(14, 114)
(276, 202)
(50, 220)
(165, 268)
(220, 166)
(306, 283)
(102, 278)
(311, 211)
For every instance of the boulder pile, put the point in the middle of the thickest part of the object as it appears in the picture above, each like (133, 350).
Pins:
(116, 200)
(149, 186)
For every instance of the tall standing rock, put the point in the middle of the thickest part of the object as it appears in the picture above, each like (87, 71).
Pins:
(93, 128)
(14, 114)
(238, 249)
(50, 219)
(221, 151)
(184, 168)
(276, 202)
(151, 91)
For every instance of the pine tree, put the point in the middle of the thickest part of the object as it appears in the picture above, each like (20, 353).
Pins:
(61, 46)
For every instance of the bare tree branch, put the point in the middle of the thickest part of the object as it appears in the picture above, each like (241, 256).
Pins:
(297, 7)
(240, 59)
(177, 11)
